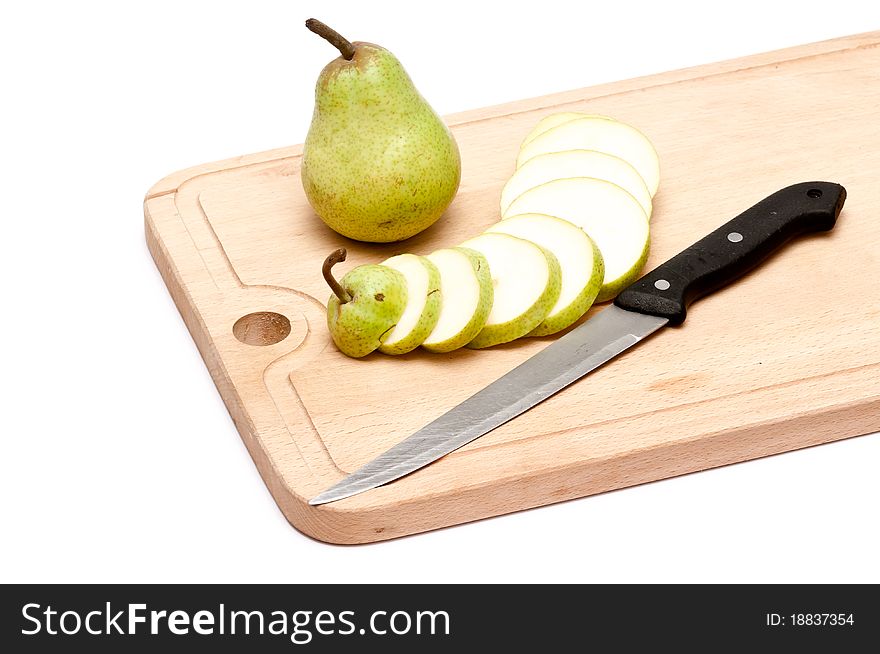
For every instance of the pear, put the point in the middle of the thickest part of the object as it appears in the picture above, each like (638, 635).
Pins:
(609, 215)
(422, 306)
(526, 280)
(365, 306)
(378, 163)
(466, 288)
(604, 135)
(552, 120)
(575, 163)
(579, 261)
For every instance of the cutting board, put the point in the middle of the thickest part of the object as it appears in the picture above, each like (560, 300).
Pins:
(787, 358)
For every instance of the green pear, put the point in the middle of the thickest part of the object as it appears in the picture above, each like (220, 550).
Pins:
(527, 282)
(378, 163)
(424, 301)
(365, 306)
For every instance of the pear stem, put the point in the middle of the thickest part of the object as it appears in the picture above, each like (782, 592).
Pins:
(335, 38)
(335, 257)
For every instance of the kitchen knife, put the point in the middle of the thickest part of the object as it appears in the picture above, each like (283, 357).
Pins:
(658, 299)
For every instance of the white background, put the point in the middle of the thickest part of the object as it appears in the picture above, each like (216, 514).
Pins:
(119, 461)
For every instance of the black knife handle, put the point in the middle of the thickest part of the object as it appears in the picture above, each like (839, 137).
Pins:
(733, 249)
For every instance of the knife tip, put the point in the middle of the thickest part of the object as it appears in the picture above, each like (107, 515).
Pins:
(332, 495)
(319, 499)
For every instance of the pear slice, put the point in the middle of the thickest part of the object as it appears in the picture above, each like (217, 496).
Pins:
(423, 301)
(466, 288)
(575, 163)
(579, 261)
(552, 120)
(526, 280)
(609, 215)
(591, 133)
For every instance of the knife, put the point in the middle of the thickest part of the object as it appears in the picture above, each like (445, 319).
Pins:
(659, 299)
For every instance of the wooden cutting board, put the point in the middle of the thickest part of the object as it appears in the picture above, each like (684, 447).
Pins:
(786, 358)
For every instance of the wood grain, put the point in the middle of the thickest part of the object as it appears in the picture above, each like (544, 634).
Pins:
(787, 358)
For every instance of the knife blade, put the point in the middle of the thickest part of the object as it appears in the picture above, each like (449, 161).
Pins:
(659, 299)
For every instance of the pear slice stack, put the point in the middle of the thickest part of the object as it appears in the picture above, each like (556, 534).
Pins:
(526, 280)
(467, 298)
(550, 121)
(580, 262)
(602, 134)
(575, 163)
(609, 215)
(575, 230)
(422, 309)
(595, 172)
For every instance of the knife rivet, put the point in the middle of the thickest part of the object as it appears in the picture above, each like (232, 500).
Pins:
(662, 285)
(734, 237)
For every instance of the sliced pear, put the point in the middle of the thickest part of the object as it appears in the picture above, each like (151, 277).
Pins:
(591, 133)
(466, 289)
(579, 260)
(423, 301)
(609, 215)
(552, 120)
(526, 280)
(575, 163)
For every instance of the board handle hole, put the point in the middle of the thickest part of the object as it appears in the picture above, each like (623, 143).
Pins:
(814, 193)
(261, 328)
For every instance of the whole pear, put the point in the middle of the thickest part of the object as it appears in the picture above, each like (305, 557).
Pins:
(378, 163)
(365, 306)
